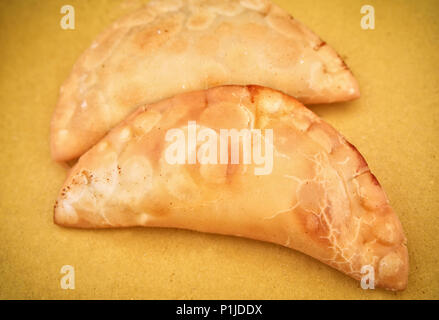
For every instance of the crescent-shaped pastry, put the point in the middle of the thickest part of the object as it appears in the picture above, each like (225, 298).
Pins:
(175, 46)
(302, 185)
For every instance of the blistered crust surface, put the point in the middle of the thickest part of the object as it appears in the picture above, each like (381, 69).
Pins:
(321, 197)
(170, 47)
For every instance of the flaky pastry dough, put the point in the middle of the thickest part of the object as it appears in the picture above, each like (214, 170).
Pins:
(320, 197)
(175, 46)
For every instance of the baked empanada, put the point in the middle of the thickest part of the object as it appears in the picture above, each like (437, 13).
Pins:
(170, 47)
(317, 196)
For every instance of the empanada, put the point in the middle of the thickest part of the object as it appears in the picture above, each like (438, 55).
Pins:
(170, 47)
(318, 196)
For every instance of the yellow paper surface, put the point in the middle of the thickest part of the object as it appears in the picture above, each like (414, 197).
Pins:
(395, 125)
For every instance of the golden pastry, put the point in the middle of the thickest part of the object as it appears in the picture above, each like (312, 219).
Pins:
(304, 186)
(170, 47)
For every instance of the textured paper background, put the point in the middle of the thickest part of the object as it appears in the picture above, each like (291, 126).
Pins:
(395, 124)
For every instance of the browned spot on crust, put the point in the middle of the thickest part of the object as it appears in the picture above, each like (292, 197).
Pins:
(374, 180)
(363, 163)
(253, 89)
(343, 64)
(321, 44)
(252, 97)
(55, 206)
